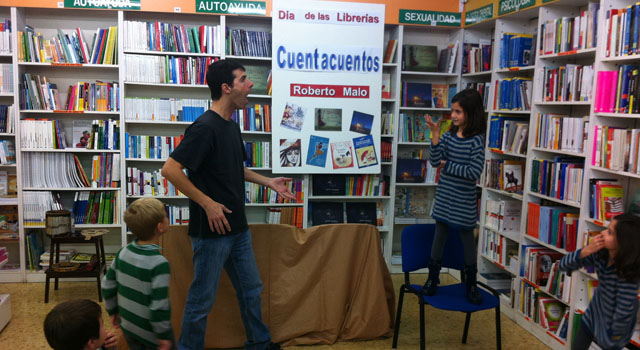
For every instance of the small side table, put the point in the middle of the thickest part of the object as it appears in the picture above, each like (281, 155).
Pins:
(54, 257)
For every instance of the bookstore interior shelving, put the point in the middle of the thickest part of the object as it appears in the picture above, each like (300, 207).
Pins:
(534, 128)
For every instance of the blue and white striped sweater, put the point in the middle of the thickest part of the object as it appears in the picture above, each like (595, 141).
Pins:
(456, 202)
(611, 315)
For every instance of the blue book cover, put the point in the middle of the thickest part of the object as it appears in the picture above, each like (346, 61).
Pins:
(317, 151)
(417, 95)
(361, 122)
(365, 151)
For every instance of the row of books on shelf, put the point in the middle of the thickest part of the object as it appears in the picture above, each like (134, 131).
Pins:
(350, 212)
(498, 248)
(413, 126)
(560, 178)
(7, 152)
(387, 123)
(622, 31)
(164, 109)
(149, 183)
(571, 82)
(425, 58)
(617, 90)
(350, 185)
(150, 147)
(503, 215)
(413, 203)
(508, 134)
(483, 89)
(555, 225)
(606, 199)
(561, 132)
(417, 171)
(170, 37)
(616, 148)
(105, 170)
(426, 95)
(386, 151)
(6, 77)
(5, 36)
(34, 245)
(38, 93)
(513, 94)
(476, 57)
(566, 34)
(286, 216)
(254, 118)
(96, 207)
(258, 154)
(504, 174)
(49, 134)
(69, 48)
(53, 170)
(167, 69)
(242, 42)
(255, 193)
(35, 204)
(517, 50)
(7, 119)
(546, 311)
(177, 215)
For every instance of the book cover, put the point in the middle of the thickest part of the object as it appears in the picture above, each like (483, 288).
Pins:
(342, 154)
(290, 153)
(422, 58)
(329, 185)
(361, 213)
(259, 75)
(390, 51)
(411, 170)
(317, 151)
(293, 117)
(328, 119)
(512, 176)
(417, 95)
(386, 85)
(612, 201)
(361, 122)
(81, 133)
(365, 151)
(439, 95)
(327, 213)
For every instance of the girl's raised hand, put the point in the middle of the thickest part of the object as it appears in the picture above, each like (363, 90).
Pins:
(434, 126)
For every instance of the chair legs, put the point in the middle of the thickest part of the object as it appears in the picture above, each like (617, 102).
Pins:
(396, 331)
(466, 328)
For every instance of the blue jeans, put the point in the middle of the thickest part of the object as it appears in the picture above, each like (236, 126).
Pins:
(235, 254)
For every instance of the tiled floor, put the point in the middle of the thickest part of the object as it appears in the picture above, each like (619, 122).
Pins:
(444, 329)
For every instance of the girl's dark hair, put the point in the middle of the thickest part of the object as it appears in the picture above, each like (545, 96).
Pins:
(221, 72)
(627, 259)
(71, 324)
(471, 103)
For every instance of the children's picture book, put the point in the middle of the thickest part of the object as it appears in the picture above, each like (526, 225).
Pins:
(293, 116)
(81, 133)
(411, 170)
(328, 119)
(361, 122)
(417, 95)
(512, 176)
(290, 153)
(552, 312)
(317, 151)
(342, 154)
(327, 213)
(365, 151)
(422, 58)
(612, 200)
(386, 85)
(439, 95)
(361, 213)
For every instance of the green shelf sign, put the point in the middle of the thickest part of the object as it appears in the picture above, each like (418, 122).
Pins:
(431, 18)
(232, 7)
(103, 4)
(508, 6)
(478, 15)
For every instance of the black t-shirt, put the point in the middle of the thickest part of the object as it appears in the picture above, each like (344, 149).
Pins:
(214, 155)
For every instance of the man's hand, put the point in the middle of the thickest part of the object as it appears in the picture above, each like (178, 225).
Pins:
(594, 246)
(115, 321)
(164, 344)
(111, 342)
(217, 221)
(278, 184)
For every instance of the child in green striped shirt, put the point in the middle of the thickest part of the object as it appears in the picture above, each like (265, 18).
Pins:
(136, 287)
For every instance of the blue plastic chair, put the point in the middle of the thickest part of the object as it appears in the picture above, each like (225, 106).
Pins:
(416, 252)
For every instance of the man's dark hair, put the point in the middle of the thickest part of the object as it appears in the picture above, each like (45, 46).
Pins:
(221, 72)
(71, 324)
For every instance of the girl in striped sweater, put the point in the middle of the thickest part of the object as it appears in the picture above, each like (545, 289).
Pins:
(611, 314)
(459, 152)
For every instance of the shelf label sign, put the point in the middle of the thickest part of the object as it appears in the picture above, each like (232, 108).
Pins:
(508, 6)
(103, 4)
(430, 18)
(478, 15)
(232, 7)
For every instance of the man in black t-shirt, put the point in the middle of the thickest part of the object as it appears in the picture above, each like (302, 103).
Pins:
(213, 153)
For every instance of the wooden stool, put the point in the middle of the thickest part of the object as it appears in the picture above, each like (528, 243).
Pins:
(54, 258)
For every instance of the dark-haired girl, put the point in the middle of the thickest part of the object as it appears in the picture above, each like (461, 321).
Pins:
(611, 314)
(460, 154)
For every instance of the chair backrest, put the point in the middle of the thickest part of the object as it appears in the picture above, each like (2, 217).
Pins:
(416, 248)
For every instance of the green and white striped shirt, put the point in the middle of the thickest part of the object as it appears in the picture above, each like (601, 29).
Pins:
(137, 287)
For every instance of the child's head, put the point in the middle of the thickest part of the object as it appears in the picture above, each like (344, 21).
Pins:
(623, 240)
(75, 325)
(467, 112)
(146, 217)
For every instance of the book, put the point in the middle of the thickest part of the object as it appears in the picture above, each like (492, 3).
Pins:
(342, 154)
(81, 133)
(329, 185)
(417, 95)
(259, 75)
(365, 151)
(422, 58)
(326, 213)
(361, 122)
(328, 119)
(439, 96)
(390, 51)
(361, 213)
(513, 181)
(386, 85)
(411, 170)
(293, 117)
(290, 153)
(317, 151)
